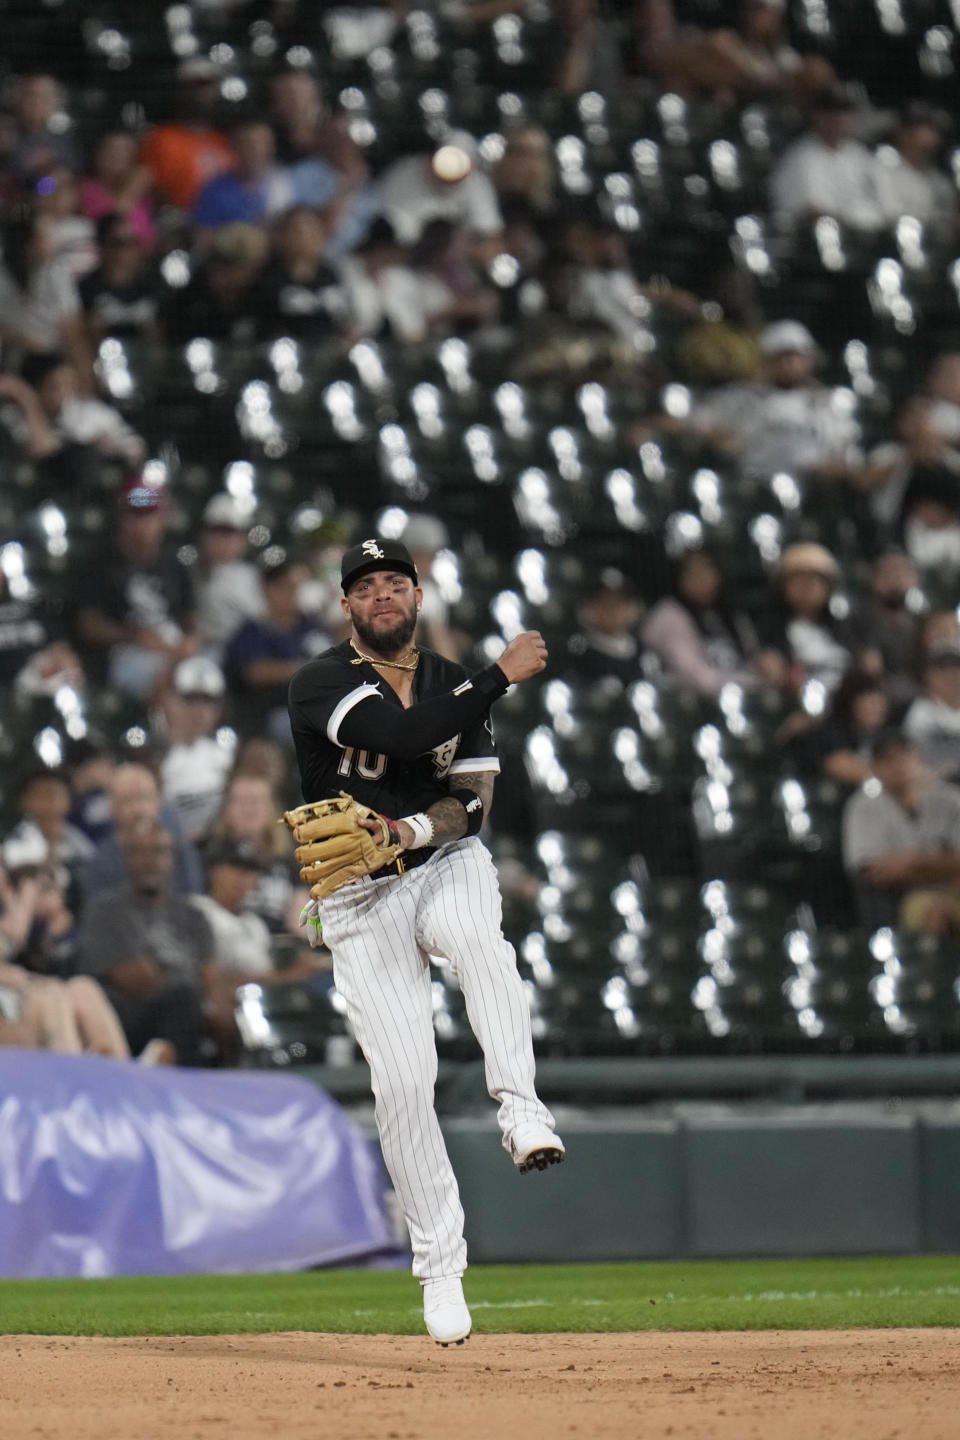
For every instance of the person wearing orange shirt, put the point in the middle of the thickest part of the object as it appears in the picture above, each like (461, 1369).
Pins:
(185, 154)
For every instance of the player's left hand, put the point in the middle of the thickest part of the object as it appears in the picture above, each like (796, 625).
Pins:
(336, 842)
(400, 827)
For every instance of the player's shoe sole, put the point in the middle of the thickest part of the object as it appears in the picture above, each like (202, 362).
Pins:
(541, 1159)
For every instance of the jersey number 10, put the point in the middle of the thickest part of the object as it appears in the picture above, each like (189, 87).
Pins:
(369, 764)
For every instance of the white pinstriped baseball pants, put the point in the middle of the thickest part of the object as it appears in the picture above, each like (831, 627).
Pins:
(380, 933)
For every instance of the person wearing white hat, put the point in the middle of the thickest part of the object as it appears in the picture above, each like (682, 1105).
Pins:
(786, 337)
(787, 421)
(226, 585)
(199, 751)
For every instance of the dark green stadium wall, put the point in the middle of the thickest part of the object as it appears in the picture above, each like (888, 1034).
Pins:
(720, 1181)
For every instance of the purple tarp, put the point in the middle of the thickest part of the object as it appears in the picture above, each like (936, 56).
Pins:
(113, 1168)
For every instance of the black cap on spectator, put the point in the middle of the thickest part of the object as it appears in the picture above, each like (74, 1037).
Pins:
(921, 112)
(35, 368)
(376, 554)
(40, 772)
(240, 854)
(114, 222)
(933, 482)
(890, 738)
(84, 748)
(835, 97)
(381, 232)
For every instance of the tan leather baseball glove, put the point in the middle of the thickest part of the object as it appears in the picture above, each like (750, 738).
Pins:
(333, 847)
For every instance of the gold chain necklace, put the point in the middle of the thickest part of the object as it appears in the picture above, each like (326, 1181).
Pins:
(390, 664)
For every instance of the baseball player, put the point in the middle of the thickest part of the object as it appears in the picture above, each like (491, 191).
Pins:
(407, 733)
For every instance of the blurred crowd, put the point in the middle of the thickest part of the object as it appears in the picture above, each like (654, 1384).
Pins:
(141, 886)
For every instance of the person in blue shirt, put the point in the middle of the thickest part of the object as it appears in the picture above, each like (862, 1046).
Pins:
(254, 190)
(266, 652)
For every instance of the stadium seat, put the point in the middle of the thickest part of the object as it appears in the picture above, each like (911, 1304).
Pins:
(831, 1012)
(654, 1012)
(568, 1017)
(292, 1024)
(914, 988)
(584, 868)
(743, 1013)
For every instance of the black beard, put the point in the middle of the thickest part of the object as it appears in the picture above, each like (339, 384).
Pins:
(387, 642)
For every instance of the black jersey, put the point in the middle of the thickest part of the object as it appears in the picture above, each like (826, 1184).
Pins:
(338, 698)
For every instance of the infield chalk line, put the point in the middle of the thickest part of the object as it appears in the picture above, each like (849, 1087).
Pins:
(893, 1292)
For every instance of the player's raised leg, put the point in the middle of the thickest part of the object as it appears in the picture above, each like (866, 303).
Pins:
(386, 985)
(460, 918)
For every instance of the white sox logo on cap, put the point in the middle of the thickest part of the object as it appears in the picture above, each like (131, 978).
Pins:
(375, 554)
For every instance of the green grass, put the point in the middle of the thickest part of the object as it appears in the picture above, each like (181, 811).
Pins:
(705, 1295)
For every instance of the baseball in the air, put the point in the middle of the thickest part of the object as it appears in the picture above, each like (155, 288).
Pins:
(450, 163)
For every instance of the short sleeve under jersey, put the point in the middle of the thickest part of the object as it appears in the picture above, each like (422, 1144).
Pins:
(352, 732)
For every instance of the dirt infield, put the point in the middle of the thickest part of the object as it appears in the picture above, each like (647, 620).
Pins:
(771, 1385)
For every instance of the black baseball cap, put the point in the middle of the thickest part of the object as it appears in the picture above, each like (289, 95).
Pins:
(241, 854)
(376, 554)
(890, 738)
(835, 97)
(919, 112)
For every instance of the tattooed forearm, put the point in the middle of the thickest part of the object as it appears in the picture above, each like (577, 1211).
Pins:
(449, 820)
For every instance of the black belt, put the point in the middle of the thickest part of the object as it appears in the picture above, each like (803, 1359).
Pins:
(409, 860)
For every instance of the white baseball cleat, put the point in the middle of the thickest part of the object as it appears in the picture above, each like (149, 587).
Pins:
(445, 1310)
(535, 1147)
